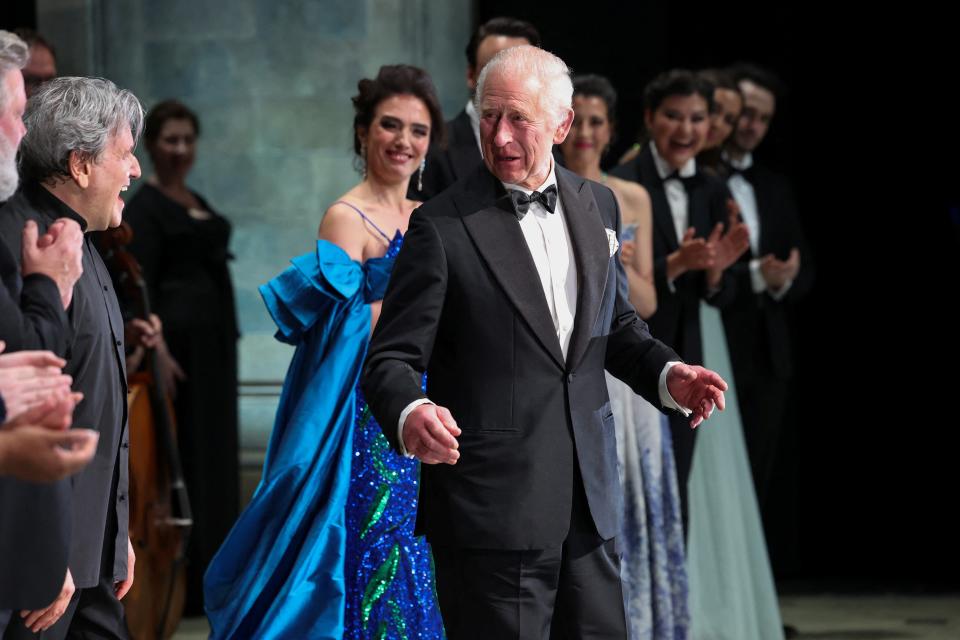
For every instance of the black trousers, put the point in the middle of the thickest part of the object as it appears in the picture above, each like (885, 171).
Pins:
(572, 591)
(94, 613)
(763, 403)
(684, 439)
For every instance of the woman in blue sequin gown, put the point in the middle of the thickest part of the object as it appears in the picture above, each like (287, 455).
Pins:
(651, 535)
(326, 547)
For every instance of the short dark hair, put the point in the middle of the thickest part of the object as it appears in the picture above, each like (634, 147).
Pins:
(758, 75)
(594, 85)
(720, 79)
(501, 26)
(167, 110)
(394, 80)
(32, 38)
(676, 82)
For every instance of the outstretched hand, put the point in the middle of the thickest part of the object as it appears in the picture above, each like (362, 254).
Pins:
(696, 389)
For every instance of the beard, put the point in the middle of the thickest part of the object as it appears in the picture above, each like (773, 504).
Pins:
(9, 179)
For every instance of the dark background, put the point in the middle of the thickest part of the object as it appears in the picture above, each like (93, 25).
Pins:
(869, 133)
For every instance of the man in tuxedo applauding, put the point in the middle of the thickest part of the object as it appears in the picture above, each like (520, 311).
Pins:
(510, 294)
(772, 276)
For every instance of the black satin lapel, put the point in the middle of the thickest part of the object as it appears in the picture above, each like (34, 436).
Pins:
(496, 233)
(592, 251)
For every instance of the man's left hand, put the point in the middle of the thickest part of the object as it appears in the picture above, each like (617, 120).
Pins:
(697, 389)
(121, 588)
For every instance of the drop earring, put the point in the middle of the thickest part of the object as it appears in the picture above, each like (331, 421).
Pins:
(423, 165)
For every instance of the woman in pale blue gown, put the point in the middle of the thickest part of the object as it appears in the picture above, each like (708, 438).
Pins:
(326, 547)
(732, 593)
(651, 537)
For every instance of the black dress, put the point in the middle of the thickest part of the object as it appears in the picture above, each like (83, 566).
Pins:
(184, 262)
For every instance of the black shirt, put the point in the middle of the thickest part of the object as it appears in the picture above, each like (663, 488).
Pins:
(95, 359)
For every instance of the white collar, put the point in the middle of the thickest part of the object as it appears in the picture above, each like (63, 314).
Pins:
(471, 110)
(551, 180)
(742, 164)
(688, 170)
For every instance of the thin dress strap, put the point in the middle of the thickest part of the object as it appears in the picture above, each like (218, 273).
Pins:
(371, 222)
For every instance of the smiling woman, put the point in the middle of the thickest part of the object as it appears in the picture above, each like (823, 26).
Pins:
(327, 544)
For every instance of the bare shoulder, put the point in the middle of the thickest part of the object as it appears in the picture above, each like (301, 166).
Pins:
(634, 199)
(340, 217)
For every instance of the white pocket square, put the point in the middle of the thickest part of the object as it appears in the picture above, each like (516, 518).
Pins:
(612, 241)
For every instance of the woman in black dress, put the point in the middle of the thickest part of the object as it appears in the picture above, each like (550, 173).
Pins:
(181, 243)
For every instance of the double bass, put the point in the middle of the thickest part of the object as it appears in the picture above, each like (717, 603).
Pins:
(160, 515)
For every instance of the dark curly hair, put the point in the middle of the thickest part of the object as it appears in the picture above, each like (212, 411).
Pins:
(394, 80)
(676, 82)
(592, 85)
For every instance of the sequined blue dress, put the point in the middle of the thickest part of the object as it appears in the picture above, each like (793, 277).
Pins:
(325, 549)
(652, 563)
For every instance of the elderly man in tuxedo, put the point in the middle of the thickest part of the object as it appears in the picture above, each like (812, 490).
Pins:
(510, 294)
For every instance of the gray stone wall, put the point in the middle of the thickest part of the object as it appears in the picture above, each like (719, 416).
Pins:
(271, 81)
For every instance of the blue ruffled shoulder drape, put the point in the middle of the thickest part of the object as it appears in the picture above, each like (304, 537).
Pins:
(280, 573)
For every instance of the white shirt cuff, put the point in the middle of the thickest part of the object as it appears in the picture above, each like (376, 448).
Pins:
(403, 418)
(666, 400)
(778, 295)
(756, 277)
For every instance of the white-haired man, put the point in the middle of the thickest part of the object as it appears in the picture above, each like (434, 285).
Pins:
(509, 292)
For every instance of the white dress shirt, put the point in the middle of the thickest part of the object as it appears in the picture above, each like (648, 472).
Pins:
(676, 193)
(746, 199)
(548, 240)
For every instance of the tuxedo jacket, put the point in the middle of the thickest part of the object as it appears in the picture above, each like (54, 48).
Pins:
(757, 325)
(465, 304)
(446, 166)
(677, 319)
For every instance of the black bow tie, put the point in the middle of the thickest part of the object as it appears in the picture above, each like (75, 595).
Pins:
(687, 181)
(522, 202)
(731, 170)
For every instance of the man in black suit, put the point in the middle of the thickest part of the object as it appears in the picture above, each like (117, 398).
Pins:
(76, 158)
(772, 276)
(690, 257)
(461, 155)
(510, 294)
